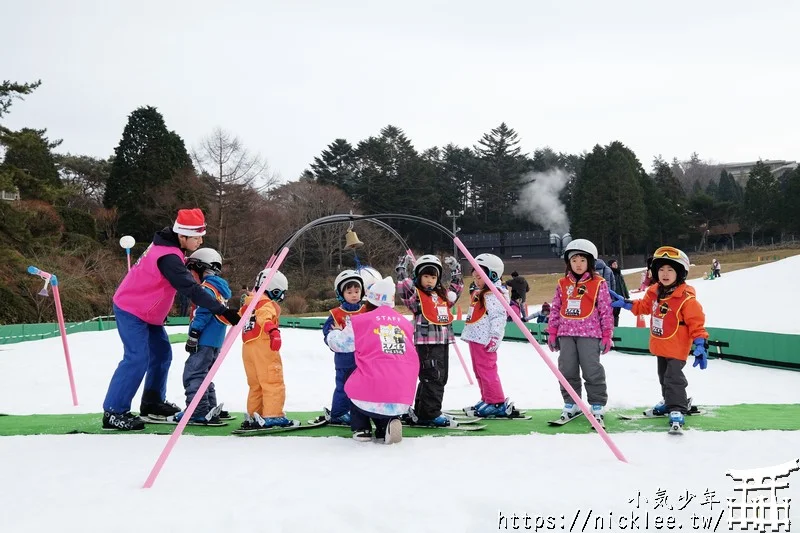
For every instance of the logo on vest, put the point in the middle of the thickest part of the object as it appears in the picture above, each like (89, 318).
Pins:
(393, 340)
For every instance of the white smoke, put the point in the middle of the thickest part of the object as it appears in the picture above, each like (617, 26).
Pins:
(539, 200)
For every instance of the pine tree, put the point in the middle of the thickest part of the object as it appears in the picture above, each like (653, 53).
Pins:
(498, 176)
(761, 196)
(729, 190)
(336, 166)
(32, 165)
(151, 175)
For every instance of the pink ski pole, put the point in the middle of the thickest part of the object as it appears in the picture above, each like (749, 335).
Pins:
(515, 317)
(223, 352)
(52, 280)
(455, 343)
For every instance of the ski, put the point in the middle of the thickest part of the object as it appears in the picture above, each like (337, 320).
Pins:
(466, 427)
(325, 419)
(675, 429)
(468, 411)
(564, 421)
(694, 411)
(514, 416)
(296, 425)
(458, 421)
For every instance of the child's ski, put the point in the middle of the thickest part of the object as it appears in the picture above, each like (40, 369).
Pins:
(296, 425)
(564, 421)
(516, 415)
(170, 420)
(469, 412)
(461, 427)
(675, 429)
(693, 411)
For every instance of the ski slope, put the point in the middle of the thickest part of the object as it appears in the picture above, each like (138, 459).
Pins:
(87, 483)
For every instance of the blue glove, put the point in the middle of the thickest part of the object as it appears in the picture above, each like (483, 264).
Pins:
(620, 302)
(700, 353)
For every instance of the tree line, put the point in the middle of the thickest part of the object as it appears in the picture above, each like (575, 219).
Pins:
(76, 206)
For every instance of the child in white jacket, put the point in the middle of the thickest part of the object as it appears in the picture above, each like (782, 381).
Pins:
(483, 331)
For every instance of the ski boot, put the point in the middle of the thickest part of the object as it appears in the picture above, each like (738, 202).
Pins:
(676, 422)
(341, 420)
(598, 411)
(659, 409)
(495, 410)
(210, 419)
(271, 421)
(471, 409)
(156, 408)
(570, 411)
(248, 423)
(443, 420)
(122, 421)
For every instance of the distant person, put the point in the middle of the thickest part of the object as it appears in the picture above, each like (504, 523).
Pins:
(542, 315)
(602, 268)
(677, 328)
(519, 288)
(621, 287)
(141, 304)
(715, 268)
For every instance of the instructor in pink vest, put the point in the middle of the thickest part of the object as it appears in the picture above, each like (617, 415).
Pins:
(141, 305)
(383, 384)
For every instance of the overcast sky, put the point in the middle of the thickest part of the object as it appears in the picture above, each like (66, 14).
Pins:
(721, 78)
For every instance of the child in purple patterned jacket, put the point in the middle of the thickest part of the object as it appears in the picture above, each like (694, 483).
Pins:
(581, 325)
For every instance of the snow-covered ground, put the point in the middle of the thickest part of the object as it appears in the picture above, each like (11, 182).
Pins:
(88, 483)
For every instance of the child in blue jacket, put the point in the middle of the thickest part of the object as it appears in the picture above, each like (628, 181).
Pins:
(349, 287)
(206, 335)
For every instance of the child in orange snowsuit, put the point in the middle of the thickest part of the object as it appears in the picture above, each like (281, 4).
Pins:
(677, 328)
(262, 358)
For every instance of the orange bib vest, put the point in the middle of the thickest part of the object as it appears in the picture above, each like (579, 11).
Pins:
(434, 311)
(219, 298)
(579, 299)
(477, 308)
(665, 322)
(253, 330)
(339, 315)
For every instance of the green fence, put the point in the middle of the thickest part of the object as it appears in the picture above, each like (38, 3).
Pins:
(776, 350)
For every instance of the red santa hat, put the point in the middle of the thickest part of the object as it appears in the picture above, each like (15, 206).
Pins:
(190, 222)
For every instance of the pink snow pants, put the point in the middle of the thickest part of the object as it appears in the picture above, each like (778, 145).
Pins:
(484, 364)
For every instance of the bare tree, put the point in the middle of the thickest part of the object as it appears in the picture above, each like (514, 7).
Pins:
(224, 161)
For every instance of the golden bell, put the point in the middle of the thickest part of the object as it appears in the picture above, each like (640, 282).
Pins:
(351, 240)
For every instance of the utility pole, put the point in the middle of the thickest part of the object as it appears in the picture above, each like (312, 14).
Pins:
(454, 216)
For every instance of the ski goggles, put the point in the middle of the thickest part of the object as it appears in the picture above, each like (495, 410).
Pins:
(667, 251)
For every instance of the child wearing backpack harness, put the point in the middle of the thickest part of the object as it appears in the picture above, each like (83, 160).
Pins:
(581, 326)
(261, 355)
(349, 287)
(677, 328)
(430, 302)
(206, 334)
(483, 331)
(381, 388)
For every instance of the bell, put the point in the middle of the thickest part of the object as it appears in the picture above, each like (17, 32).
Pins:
(351, 240)
(44, 292)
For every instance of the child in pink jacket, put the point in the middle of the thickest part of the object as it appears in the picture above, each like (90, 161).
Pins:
(382, 386)
(581, 325)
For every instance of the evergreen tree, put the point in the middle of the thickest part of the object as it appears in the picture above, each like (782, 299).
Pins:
(729, 190)
(791, 208)
(761, 196)
(150, 176)
(498, 175)
(712, 189)
(9, 91)
(32, 165)
(670, 206)
(336, 166)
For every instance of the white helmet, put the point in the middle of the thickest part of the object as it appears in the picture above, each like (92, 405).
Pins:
(492, 264)
(278, 285)
(368, 276)
(672, 256)
(343, 278)
(428, 260)
(581, 246)
(381, 293)
(205, 259)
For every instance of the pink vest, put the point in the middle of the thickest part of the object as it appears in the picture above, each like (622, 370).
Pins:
(387, 365)
(145, 292)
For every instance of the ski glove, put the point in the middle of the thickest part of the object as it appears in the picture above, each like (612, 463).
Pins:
(192, 341)
(620, 302)
(232, 316)
(493, 345)
(274, 337)
(552, 341)
(606, 344)
(700, 353)
(454, 266)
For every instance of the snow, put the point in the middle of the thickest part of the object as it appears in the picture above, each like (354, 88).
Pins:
(88, 483)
